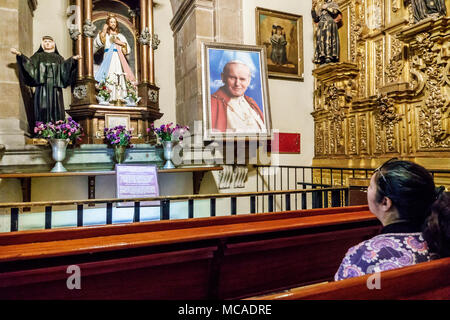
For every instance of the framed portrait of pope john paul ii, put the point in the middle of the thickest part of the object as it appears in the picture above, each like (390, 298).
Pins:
(235, 92)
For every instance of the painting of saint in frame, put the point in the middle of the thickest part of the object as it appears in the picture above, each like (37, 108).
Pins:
(282, 35)
(235, 93)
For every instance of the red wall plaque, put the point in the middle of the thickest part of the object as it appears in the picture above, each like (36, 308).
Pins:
(286, 142)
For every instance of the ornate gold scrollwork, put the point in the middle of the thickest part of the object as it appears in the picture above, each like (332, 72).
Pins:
(392, 96)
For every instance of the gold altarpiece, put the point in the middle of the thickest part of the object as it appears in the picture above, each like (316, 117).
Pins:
(135, 17)
(389, 94)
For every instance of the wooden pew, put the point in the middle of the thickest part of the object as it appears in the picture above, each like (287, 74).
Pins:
(208, 258)
(428, 280)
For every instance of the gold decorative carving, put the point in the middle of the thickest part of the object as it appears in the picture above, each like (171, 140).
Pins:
(319, 139)
(363, 149)
(396, 64)
(336, 88)
(378, 136)
(352, 135)
(379, 65)
(393, 96)
(395, 5)
(388, 118)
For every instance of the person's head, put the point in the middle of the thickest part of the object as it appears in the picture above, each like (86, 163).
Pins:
(112, 23)
(48, 44)
(237, 77)
(279, 30)
(405, 191)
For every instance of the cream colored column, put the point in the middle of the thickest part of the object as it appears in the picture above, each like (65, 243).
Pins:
(194, 22)
(16, 23)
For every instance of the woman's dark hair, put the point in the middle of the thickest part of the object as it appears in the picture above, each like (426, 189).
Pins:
(412, 191)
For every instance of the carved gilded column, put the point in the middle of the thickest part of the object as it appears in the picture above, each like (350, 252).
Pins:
(88, 40)
(151, 56)
(143, 45)
(79, 40)
(148, 42)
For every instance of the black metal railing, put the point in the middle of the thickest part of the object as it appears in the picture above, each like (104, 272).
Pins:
(323, 197)
(304, 177)
(286, 177)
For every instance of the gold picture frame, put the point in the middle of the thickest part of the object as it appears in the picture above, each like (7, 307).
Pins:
(114, 120)
(282, 35)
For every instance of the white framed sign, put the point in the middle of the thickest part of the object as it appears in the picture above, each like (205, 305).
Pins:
(115, 120)
(137, 181)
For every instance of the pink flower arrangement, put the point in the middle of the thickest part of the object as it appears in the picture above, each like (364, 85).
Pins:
(61, 129)
(166, 133)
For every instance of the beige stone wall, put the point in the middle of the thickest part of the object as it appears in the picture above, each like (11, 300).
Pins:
(17, 32)
(191, 18)
(233, 21)
(194, 22)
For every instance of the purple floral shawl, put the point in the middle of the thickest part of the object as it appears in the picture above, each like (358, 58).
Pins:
(383, 252)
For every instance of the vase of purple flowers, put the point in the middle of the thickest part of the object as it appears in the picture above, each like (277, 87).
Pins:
(119, 138)
(59, 135)
(119, 153)
(169, 137)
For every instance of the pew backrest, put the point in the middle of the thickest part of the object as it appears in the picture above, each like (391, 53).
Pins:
(223, 257)
(427, 280)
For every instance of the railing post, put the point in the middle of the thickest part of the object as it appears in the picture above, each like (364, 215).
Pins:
(317, 199)
(48, 217)
(233, 206)
(270, 203)
(304, 204)
(191, 208)
(137, 212)
(79, 215)
(288, 202)
(14, 219)
(212, 207)
(165, 210)
(252, 204)
(109, 209)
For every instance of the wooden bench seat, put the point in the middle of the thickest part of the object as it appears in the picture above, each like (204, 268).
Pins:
(208, 258)
(428, 280)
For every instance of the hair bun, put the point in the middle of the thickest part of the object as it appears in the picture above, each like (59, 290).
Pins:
(438, 192)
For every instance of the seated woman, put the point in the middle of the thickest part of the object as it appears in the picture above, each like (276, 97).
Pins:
(415, 217)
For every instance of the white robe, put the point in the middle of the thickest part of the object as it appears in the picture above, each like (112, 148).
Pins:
(115, 73)
(242, 118)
